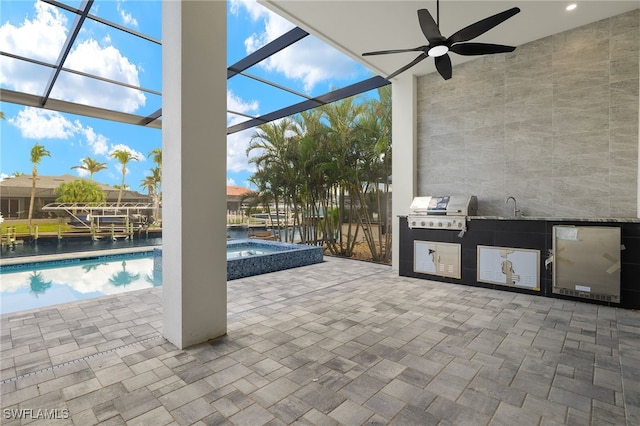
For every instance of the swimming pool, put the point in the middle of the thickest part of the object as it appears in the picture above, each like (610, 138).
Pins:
(35, 285)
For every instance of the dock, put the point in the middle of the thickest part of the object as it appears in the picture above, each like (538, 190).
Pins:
(11, 238)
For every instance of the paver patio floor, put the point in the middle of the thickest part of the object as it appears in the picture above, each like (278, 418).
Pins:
(341, 342)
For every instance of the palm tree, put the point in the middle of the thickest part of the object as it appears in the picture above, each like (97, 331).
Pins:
(80, 191)
(149, 184)
(123, 278)
(375, 172)
(344, 147)
(37, 152)
(155, 279)
(276, 163)
(91, 165)
(152, 185)
(38, 284)
(156, 156)
(123, 157)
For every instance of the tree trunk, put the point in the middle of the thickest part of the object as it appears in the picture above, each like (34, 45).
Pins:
(121, 187)
(33, 195)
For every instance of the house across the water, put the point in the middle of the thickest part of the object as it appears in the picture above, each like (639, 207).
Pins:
(15, 195)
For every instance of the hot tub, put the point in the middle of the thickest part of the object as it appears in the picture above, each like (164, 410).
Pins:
(248, 257)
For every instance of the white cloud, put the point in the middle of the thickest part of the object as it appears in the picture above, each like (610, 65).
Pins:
(255, 10)
(122, 147)
(37, 123)
(106, 62)
(98, 142)
(310, 60)
(274, 27)
(127, 18)
(237, 104)
(237, 144)
(231, 182)
(42, 38)
(82, 172)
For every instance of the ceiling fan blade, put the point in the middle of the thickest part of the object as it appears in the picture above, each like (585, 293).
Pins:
(384, 52)
(429, 27)
(409, 65)
(469, 49)
(481, 27)
(443, 65)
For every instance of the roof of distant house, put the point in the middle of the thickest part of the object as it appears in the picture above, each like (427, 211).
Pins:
(237, 191)
(20, 186)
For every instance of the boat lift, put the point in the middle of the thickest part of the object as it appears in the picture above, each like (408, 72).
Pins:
(96, 216)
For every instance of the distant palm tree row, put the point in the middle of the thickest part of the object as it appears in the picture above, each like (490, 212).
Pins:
(81, 191)
(332, 167)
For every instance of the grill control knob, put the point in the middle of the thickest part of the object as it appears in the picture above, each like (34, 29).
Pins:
(422, 223)
(440, 224)
(431, 223)
(459, 224)
(413, 223)
(449, 225)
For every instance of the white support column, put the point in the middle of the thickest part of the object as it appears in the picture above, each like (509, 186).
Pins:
(194, 81)
(404, 166)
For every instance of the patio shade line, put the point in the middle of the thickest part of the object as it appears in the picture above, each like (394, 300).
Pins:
(276, 85)
(79, 109)
(253, 117)
(68, 44)
(83, 74)
(103, 21)
(336, 95)
(267, 50)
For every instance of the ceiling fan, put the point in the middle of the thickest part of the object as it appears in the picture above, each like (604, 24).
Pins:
(439, 46)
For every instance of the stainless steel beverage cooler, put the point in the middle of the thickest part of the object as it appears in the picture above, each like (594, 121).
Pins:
(587, 262)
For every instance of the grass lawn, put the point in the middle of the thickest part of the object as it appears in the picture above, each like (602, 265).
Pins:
(22, 227)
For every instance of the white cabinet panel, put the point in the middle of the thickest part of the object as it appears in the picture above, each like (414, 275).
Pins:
(509, 266)
(436, 258)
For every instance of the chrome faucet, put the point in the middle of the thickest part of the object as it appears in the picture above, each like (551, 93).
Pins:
(516, 212)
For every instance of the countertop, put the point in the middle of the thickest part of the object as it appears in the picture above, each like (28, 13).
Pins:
(556, 219)
(561, 219)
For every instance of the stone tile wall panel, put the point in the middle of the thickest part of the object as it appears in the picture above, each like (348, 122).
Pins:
(554, 123)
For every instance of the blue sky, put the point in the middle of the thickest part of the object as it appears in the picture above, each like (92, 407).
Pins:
(37, 30)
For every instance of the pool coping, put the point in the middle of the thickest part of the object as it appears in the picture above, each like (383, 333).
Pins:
(74, 255)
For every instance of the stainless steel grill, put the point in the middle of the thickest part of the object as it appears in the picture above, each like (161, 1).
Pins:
(444, 212)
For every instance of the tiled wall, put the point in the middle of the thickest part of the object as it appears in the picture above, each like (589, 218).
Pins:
(555, 124)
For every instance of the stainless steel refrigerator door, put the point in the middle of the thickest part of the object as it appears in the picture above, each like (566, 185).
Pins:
(587, 262)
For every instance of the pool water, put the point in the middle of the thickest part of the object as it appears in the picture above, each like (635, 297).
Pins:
(45, 246)
(247, 251)
(33, 285)
(37, 285)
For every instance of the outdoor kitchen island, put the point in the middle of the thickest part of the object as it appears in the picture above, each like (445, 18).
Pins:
(590, 260)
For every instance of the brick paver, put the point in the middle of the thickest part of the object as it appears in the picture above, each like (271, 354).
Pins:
(341, 342)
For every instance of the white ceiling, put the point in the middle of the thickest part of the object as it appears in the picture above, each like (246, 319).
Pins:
(361, 26)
